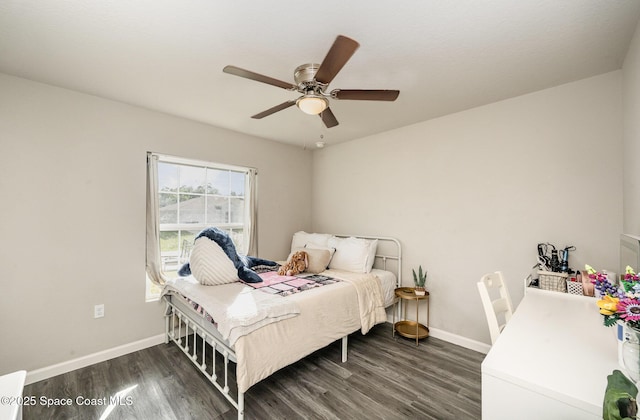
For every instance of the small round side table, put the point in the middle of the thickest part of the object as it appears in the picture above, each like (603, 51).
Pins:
(406, 328)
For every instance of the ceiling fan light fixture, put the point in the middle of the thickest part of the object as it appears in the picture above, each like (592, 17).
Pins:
(312, 104)
(311, 80)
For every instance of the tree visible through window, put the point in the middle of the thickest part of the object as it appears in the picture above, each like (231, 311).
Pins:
(191, 197)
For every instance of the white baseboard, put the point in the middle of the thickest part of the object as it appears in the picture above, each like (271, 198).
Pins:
(456, 339)
(460, 340)
(101, 356)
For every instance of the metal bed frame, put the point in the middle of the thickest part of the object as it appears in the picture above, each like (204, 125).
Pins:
(182, 322)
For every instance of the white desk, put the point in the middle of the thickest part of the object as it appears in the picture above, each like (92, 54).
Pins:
(550, 362)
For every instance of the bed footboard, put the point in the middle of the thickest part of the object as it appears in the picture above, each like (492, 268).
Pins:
(188, 330)
(192, 339)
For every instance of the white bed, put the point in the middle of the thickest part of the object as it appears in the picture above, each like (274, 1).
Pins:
(326, 314)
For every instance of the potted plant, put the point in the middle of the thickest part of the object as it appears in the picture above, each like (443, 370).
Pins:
(419, 279)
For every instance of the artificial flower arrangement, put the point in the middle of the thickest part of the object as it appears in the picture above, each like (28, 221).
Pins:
(620, 303)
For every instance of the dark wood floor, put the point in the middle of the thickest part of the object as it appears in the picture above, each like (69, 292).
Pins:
(384, 378)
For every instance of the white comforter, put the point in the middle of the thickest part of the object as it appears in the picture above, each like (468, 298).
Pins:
(370, 300)
(326, 314)
(236, 308)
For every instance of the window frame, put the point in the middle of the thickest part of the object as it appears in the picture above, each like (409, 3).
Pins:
(151, 290)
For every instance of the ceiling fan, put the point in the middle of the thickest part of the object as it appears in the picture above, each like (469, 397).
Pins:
(311, 80)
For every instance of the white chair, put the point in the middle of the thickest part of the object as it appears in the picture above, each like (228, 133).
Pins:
(496, 301)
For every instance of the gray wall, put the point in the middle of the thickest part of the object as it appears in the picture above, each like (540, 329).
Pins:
(72, 218)
(474, 192)
(631, 95)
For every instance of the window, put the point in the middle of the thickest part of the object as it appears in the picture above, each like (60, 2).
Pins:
(193, 195)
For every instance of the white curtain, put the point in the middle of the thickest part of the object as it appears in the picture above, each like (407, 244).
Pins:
(252, 207)
(154, 263)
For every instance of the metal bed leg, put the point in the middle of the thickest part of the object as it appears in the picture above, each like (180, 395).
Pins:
(240, 405)
(217, 346)
(167, 313)
(344, 348)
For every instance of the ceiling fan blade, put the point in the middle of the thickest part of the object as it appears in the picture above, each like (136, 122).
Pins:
(328, 118)
(237, 71)
(366, 95)
(340, 52)
(273, 110)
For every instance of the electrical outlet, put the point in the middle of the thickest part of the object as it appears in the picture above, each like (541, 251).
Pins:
(98, 311)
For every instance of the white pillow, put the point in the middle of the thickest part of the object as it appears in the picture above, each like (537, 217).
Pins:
(318, 259)
(311, 245)
(301, 239)
(353, 254)
(210, 265)
(373, 248)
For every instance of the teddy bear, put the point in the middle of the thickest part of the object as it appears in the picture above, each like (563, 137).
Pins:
(297, 263)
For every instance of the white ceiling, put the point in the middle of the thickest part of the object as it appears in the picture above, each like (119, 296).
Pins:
(443, 56)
